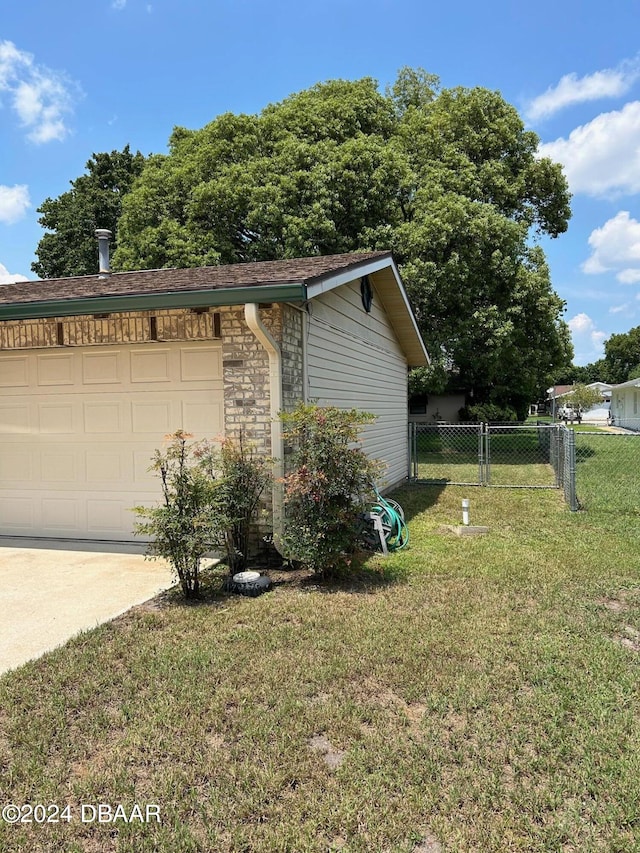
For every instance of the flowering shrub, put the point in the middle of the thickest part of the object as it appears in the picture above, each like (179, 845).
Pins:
(210, 497)
(328, 487)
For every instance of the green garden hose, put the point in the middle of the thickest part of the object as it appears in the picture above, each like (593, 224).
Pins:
(396, 532)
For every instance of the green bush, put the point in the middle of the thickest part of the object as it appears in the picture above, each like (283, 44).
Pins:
(210, 497)
(328, 487)
(489, 413)
(245, 475)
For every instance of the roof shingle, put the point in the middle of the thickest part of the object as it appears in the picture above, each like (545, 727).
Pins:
(261, 273)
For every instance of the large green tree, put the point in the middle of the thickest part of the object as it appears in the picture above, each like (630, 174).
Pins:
(449, 180)
(622, 355)
(94, 201)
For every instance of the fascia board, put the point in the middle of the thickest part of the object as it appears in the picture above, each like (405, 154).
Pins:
(293, 292)
(331, 281)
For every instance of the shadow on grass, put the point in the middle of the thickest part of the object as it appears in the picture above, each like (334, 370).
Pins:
(368, 570)
(584, 452)
(415, 498)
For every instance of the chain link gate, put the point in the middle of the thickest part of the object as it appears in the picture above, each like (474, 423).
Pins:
(530, 456)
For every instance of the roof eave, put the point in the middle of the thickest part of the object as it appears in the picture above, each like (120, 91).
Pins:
(415, 350)
(74, 307)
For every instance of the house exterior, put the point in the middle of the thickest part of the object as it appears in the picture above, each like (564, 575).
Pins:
(557, 396)
(625, 405)
(436, 408)
(96, 370)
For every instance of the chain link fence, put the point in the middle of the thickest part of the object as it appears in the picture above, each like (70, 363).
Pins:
(607, 472)
(538, 456)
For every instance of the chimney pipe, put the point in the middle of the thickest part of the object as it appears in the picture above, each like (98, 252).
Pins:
(103, 235)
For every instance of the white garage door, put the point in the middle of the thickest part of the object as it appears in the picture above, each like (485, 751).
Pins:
(78, 429)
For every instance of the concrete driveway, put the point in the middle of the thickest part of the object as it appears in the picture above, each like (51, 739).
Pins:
(48, 594)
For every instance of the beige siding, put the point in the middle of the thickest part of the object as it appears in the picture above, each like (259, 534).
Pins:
(354, 360)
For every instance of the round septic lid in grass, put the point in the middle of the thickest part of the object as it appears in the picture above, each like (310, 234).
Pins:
(249, 583)
(246, 577)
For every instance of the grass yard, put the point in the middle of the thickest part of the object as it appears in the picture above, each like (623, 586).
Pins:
(607, 468)
(517, 456)
(467, 694)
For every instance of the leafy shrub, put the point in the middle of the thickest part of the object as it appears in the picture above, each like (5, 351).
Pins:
(244, 477)
(210, 497)
(488, 413)
(328, 487)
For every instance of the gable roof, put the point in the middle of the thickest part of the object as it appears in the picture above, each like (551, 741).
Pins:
(291, 280)
(631, 383)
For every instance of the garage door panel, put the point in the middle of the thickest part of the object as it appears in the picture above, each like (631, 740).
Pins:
(58, 468)
(202, 418)
(142, 461)
(55, 370)
(106, 416)
(152, 418)
(17, 514)
(61, 514)
(104, 466)
(106, 516)
(17, 467)
(74, 458)
(200, 365)
(15, 419)
(150, 365)
(15, 372)
(56, 418)
(102, 368)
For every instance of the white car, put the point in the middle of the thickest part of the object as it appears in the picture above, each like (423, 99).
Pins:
(568, 413)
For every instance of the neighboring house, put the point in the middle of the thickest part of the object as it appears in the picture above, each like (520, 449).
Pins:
(625, 405)
(557, 396)
(95, 371)
(436, 408)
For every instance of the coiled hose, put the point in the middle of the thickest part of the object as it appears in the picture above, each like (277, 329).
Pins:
(396, 532)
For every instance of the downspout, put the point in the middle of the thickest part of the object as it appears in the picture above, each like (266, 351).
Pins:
(254, 322)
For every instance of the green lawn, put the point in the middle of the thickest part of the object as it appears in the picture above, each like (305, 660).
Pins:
(607, 468)
(466, 694)
(517, 456)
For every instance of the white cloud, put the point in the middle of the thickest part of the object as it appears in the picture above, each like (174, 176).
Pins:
(14, 202)
(602, 158)
(118, 4)
(629, 276)
(581, 323)
(41, 98)
(616, 247)
(588, 340)
(619, 309)
(571, 89)
(7, 277)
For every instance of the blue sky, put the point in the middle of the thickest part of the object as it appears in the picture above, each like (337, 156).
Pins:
(85, 76)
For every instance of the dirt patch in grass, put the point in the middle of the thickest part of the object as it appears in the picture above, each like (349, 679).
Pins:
(331, 756)
(429, 844)
(622, 600)
(630, 639)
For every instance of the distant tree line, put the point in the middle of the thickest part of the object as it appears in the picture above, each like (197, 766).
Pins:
(620, 363)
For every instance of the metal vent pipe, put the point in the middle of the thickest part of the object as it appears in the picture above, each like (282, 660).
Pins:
(103, 235)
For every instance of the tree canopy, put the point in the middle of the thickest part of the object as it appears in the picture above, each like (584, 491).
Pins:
(94, 201)
(620, 363)
(449, 180)
(622, 355)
